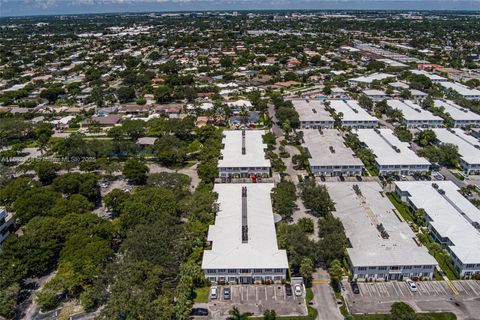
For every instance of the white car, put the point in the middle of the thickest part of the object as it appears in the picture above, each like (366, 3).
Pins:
(411, 285)
(298, 290)
(213, 293)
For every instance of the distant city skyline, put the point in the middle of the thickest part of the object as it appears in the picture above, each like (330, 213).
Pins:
(58, 7)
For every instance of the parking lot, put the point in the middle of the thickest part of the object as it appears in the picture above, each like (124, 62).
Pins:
(425, 288)
(431, 296)
(257, 299)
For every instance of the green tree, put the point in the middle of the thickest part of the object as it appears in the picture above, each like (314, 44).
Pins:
(135, 170)
(269, 315)
(8, 300)
(284, 197)
(402, 311)
(46, 171)
(306, 268)
(403, 134)
(72, 183)
(336, 272)
(425, 137)
(126, 94)
(35, 202)
(316, 197)
(235, 314)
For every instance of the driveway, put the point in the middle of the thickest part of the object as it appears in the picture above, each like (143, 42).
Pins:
(324, 297)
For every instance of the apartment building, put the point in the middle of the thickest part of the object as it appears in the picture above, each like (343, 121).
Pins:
(243, 154)
(243, 239)
(453, 221)
(382, 245)
(392, 156)
(329, 156)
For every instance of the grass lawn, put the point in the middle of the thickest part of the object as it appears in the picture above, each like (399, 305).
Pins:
(430, 316)
(400, 206)
(201, 295)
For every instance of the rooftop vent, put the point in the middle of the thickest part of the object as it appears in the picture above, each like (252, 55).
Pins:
(382, 231)
(244, 216)
(244, 150)
(357, 190)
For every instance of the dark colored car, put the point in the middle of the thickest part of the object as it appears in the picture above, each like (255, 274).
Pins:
(199, 312)
(355, 288)
(288, 289)
(359, 178)
(226, 293)
(322, 178)
(342, 178)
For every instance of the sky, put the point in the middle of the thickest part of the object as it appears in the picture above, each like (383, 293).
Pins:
(56, 7)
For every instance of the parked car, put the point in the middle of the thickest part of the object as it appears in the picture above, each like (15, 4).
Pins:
(342, 178)
(226, 293)
(355, 288)
(213, 293)
(359, 178)
(322, 178)
(298, 290)
(288, 289)
(411, 285)
(199, 312)
(104, 184)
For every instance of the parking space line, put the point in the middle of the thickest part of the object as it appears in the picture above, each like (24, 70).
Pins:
(459, 286)
(395, 289)
(422, 289)
(266, 295)
(368, 290)
(471, 287)
(432, 286)
(476, 284)
(401, 292)
(274, 293)
(442, 287)
(256, 293)
(384, 289)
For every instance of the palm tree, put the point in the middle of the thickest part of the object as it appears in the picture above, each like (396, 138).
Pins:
(235, 314)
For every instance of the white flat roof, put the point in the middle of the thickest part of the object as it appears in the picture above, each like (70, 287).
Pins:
(254, 147)
(393, 63)
(360, 215)
(228, 251)
(381, 142)
(319, 147)
(455, 111)
(461, 89)
(431, 76)
(412, 111)
(372, 77)
(351, 110)
(465, 143)
(448, 220)
(311, 110)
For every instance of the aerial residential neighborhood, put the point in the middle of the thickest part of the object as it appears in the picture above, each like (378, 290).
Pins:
(208, 160)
